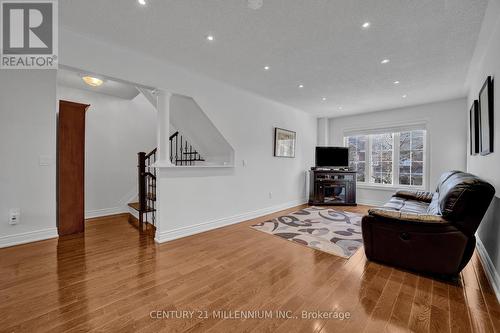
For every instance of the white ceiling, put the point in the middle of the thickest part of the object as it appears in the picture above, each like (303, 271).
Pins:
(73, 79)
(318, 43)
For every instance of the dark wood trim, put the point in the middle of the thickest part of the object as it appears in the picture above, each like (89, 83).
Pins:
(71, 167)
(73, 104)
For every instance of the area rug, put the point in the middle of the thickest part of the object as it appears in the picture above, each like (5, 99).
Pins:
(328, 230)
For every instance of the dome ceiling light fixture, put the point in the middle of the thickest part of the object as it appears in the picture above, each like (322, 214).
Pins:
(92, 80)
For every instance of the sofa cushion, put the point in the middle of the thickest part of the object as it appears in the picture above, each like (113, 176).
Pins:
(444, 177)
(401, 216)
(414, 195)
(407, 205)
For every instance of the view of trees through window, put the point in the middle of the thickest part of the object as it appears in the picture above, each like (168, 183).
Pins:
(388, 158)
(381, 158)
(357, 155)
(411, 158)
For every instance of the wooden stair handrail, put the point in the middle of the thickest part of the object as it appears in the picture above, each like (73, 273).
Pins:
(173, 135)
(152, 152)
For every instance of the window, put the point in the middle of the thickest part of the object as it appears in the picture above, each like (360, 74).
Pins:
(388, 158)
(411, 158)
(357, 155)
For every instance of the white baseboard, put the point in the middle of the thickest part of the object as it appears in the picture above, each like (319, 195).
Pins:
(370, 202)
(489, 268)
(218, 223)
(105, 212)
(28, 237)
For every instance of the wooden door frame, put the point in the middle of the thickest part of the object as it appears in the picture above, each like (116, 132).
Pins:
(73, 210)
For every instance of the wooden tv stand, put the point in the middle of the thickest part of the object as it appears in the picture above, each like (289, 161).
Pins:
(332, 187)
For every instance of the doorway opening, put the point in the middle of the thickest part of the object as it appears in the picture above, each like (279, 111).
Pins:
(106, 127)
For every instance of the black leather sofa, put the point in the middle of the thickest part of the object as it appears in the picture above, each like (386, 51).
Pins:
(429, 232)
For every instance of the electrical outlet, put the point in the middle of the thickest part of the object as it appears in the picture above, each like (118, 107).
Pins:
(270, 195)
(14, 215)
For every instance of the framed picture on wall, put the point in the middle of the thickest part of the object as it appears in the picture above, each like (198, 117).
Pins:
(486, 110)
(284, 142)
(474, 128)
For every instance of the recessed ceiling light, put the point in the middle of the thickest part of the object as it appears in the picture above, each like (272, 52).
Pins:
(340, 108)
(323, 98)
(210, 38)
(385, 61)
(404, 96)
(301, 86)
(366, 25)
(266, 68)
(142, 2)
(255, 4)
(92, 81)
(396, 82)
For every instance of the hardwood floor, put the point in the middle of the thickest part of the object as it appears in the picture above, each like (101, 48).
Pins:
(113, 278)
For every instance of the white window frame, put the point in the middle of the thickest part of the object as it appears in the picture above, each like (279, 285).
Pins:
(395, 161)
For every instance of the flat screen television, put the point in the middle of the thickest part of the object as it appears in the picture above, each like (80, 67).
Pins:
(333, 157)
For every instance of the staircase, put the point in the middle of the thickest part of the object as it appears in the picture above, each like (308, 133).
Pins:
(181, 153)
(146, 206)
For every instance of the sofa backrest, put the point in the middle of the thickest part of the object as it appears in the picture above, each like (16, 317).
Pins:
(444, 177)
(463, 199)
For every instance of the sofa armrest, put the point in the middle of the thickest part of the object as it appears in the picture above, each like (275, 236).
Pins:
(434, 247)
(415, 195)
(388, 214)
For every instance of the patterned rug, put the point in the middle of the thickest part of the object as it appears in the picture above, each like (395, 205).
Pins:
(332, 231)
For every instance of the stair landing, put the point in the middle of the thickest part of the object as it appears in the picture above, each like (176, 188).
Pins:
(136, 206)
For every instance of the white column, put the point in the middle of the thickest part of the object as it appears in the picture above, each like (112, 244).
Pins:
(323, 132)
(163, 127)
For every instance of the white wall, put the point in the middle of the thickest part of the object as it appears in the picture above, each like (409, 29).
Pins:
(486, 62)
(193, 124)
(446, 125)
(323, 134)
(116, 129)
(27, 132)
(195, 200)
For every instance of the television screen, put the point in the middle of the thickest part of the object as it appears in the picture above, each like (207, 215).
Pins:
(332, 157)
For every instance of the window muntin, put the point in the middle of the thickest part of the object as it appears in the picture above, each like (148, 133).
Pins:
(381, 158)
(396, 158)
(357, 155)
(411, 158)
